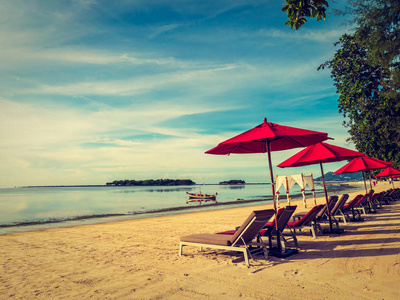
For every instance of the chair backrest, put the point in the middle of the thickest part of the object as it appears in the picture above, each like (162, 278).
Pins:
(376, 196)
(292, 207)
(353, 202)
(362, 200)
(339, 205)
(272, 223)
(331, 201)
(252, 226)
(310, 215)
(285, 217)
(369, 195)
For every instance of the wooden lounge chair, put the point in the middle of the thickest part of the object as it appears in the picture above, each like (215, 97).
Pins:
(378, 198)
(337, 210)
(383, 197)
(269, 230)
(323, 214)
(306, 222)
(349, 207)
(396, 194)
(364, 205)
(283, 219)
(267, 226)
(240, 241)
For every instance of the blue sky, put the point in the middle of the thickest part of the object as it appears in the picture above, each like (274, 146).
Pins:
(95, 91)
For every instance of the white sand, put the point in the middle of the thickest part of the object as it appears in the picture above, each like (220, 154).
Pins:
(138, 259)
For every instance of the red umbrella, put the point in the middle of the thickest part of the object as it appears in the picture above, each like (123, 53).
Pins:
(362, 164)
(389, 171)
(268, 137)
(318, 154)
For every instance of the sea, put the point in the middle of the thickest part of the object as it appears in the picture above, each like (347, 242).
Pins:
(37, 208)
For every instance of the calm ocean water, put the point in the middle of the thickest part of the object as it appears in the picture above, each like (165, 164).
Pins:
(71, 206)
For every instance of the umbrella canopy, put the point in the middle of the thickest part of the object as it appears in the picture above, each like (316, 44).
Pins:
(318, 154)
(362, 164)
(321, 152)
(268, 137)
(389, 171)
(278, 137)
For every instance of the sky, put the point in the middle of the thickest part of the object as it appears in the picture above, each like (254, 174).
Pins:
(96, 91)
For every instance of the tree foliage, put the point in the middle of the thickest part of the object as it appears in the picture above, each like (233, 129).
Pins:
(299, 10)
(378, 30)
(372, 115)
(365, 70)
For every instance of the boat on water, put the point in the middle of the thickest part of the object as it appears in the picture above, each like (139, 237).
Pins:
(199, 197)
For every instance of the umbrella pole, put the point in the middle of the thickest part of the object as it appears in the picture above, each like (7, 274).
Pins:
(278, 238)
(365, 184)
(326, 196)
(370, 181)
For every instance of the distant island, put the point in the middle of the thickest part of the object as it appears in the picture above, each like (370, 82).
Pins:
(330, 176)
(233, 181)
(151, 182)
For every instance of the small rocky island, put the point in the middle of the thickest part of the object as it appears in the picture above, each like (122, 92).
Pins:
(232, 182)
(151, 182)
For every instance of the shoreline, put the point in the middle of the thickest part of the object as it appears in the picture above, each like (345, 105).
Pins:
(49, 223)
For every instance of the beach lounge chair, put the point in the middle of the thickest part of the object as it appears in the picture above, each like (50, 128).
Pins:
(374, 200)
(378, 198)
(240, 241)
(337, 210)
(283, 219)
(396, 194)
(349, 208)
(364, 205)
(306, 222)
(383, 197)
(323, 214)
(269, 230)
(267, 226)
(392, 195)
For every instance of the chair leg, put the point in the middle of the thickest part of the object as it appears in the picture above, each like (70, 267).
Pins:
(180, 248)
(312, 230)
(295, 240)
(246, 257)
(343, 217)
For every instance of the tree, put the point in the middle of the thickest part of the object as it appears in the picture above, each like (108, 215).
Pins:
(365, 70)
(372, 114)
(298, 10)
(378, 30)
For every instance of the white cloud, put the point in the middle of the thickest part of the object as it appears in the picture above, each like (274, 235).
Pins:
(322, 36)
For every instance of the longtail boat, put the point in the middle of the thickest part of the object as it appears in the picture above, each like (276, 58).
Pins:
(199, 197)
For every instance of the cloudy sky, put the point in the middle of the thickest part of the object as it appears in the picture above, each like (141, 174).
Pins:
(93, 91)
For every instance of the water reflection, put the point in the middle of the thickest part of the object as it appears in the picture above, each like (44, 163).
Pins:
(236, 187)
(152, 190)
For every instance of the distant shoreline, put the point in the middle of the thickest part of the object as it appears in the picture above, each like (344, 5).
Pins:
(59, 186)
(197, 184)
(104, 185)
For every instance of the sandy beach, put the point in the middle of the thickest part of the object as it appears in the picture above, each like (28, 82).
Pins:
(138, 259)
